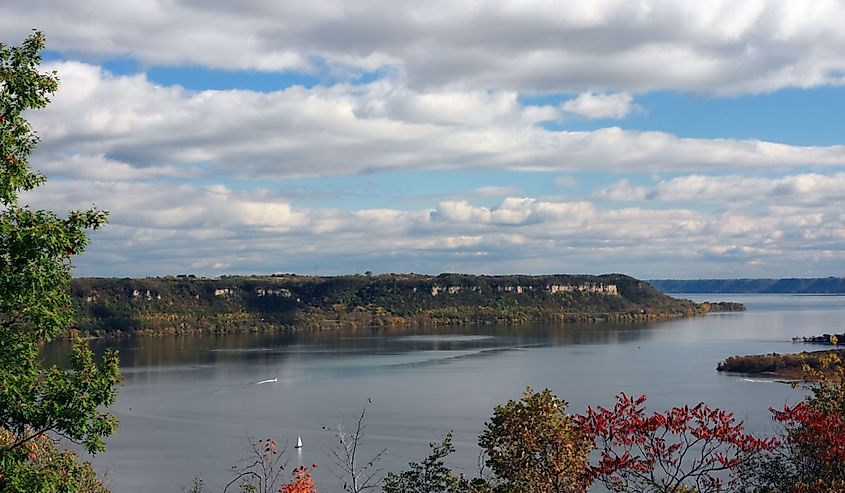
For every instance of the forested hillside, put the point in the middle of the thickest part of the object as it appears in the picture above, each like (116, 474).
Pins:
(188, 304)
(823, 285)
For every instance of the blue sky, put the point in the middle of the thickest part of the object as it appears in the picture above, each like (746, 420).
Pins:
(655, 138)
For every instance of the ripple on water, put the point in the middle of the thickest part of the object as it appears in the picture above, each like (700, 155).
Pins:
(446, 338)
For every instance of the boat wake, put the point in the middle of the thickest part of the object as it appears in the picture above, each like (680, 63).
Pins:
(757, 380)
(270, 380)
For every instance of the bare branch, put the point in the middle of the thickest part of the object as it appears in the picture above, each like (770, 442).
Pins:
(354, 477)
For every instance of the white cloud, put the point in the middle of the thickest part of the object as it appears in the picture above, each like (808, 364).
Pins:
(451, 242)
(99, 167)
(492, 191)
(622, 190)
(599, 105)
(145, 129)
(808, 188)
(164, 228)
(528, 45)
(515, 212)
(160, 206)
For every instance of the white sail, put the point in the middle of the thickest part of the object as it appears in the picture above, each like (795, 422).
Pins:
(298, 442)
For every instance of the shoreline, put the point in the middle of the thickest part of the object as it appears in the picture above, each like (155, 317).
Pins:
(785, 366)
(393, 323)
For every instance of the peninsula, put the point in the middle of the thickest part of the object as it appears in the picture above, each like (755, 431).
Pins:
(791, 366)
(788, 367)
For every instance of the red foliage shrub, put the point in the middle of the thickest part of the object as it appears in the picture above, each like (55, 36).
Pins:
(819, 434)
(672, 451)
(302, 482)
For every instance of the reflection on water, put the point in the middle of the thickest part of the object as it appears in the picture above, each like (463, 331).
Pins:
(188, 403)
(262, 347)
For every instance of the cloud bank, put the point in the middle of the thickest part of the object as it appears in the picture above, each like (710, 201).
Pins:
(502, 101)
(537, 46)
(166, 228)
(133, 126)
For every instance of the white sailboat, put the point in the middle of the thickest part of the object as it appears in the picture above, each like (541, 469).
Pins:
(298, 442)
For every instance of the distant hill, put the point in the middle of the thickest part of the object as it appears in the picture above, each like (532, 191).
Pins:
(821, 285)
(186, 304)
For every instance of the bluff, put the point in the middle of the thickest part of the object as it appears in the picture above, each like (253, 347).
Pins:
(186, 304)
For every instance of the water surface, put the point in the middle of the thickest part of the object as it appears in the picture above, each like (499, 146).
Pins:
(188, 404)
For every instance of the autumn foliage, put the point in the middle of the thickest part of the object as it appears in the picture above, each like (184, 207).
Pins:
(812, 456)
(819, 435)
(534, 445)
(677, 450)
(302, 482)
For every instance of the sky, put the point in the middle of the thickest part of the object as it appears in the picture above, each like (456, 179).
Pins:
(661, 139)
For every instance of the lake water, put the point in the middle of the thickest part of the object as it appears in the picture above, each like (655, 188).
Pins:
(188, 404)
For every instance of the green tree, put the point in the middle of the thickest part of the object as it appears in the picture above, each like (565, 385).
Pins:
(429, 476)
(36, 249)
(534, 445)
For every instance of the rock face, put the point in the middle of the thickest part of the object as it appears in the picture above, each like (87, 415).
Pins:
(187, 303)
(609, 289)
(284, 293)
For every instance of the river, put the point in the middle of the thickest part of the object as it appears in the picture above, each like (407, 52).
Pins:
(188, 405)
